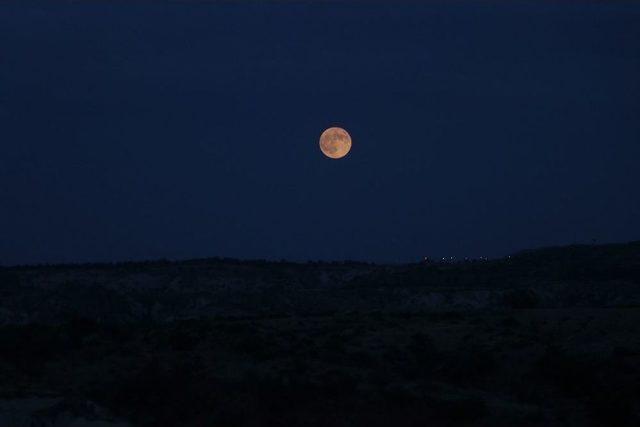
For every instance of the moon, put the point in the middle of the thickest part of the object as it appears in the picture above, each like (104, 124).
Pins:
(335, 142)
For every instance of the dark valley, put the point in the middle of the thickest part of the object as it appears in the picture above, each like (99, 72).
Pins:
(547, 337)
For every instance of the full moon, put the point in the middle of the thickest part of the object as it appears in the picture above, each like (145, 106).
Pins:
(335, 143)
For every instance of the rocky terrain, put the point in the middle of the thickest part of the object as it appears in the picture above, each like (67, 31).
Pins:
(549, 337)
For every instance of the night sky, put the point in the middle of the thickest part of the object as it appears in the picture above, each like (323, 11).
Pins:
(190, 129)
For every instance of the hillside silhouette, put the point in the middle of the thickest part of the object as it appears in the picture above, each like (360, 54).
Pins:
(546, 337)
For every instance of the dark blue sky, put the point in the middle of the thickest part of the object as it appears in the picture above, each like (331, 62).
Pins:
(190, 129)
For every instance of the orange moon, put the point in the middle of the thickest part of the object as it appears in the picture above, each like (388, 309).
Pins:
(335, 143)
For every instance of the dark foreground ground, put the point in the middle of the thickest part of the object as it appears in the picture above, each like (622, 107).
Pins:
(543, 338)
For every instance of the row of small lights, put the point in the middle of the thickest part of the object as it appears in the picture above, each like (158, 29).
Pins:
(452, 258)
